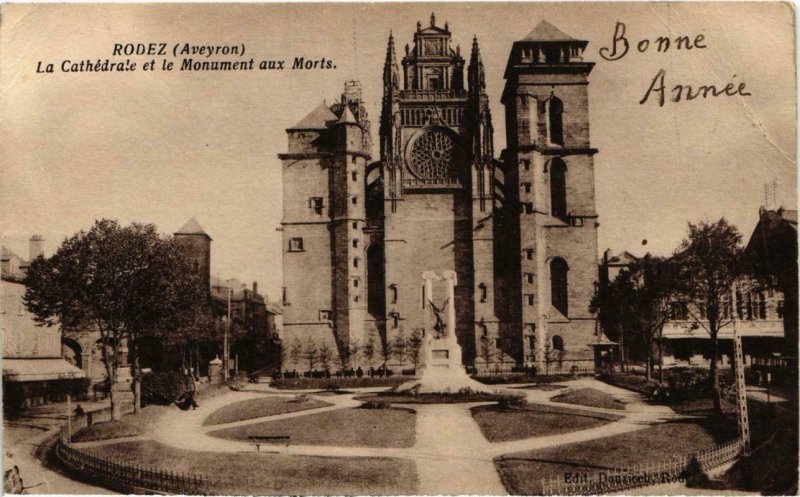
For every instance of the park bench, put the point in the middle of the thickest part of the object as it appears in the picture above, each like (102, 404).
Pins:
(258, 441)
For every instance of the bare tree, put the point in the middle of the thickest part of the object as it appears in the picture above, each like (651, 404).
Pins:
(486, 350)
(311, 353)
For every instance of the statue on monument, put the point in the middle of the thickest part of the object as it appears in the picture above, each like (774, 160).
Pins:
(440, 328)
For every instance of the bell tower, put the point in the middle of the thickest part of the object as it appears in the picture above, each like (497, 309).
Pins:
(548, 215)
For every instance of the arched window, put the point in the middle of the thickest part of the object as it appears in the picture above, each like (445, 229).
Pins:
(393, 293)
(483, 292)
(558, 343)
(555, 128)
(558, 188)
(559, 289)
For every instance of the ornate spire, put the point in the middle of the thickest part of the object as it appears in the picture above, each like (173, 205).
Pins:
(475, 71)
(433, 20)
(390, 68)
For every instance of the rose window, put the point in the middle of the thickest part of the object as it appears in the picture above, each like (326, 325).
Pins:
(432, 155)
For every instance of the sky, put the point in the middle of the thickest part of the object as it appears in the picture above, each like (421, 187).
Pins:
(163, 146)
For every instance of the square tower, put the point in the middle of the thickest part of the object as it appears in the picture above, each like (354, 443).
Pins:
(548, 215)
(324, 297)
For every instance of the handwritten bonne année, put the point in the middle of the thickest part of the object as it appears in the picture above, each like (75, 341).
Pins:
(621, 46)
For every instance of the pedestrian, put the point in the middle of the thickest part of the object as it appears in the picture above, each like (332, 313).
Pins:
(359, 372)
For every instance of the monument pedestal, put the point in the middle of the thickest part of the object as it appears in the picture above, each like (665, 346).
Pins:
(440, 370)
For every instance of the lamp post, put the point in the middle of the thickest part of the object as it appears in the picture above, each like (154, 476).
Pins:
(225, 365)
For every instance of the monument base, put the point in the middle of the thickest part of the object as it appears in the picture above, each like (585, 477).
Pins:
(443, 380)
(441, 371)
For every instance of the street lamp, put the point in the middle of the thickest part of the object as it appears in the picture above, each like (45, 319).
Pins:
(225, 365)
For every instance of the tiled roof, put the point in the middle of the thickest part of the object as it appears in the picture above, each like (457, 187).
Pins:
(544, 31)
(192, 227)
(347, 117)
(317, 118)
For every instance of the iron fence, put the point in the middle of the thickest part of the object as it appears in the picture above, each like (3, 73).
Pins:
(642, 475)
(95, 467)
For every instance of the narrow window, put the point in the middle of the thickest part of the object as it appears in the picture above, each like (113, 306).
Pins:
(558, 343)
(559, 286)
(355, 200)
(555, 109)
(316, 204)
(558, 188)
(396, 320)
(285, 296)
(533, 118)
(353, 158)
(528, 277)
(529, 254)
(355, 225)
(295, 245)
(526, 187)
(355, 282)
(529, 297)
(393, 293)
(483, 292)
(526, 165)
(527, 207)
(355, 243)
(354, 175)
(355, 263)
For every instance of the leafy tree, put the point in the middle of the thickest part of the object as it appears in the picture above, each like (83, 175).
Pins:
(123, 281)
(638, 303)
(710, 262)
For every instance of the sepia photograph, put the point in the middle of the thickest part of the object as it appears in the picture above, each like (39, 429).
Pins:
(400, 248)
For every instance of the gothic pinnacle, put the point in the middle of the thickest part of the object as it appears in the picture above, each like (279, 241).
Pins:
(433, 20)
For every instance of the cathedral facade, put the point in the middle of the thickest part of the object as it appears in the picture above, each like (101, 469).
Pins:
(519, 231)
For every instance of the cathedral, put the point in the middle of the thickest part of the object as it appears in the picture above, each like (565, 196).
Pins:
(518, 228)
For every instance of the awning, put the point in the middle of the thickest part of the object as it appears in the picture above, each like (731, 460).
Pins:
(603, 341)
(40, 370)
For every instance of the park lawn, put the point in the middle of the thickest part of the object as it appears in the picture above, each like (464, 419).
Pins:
(590, 397)
(522, 473)
(545, 387)
(277, 474)
(343, 427)
(430, 398)
(256, 408)
(130, 425)
(333, 383)
(535, 420)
